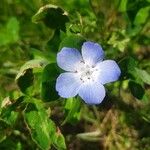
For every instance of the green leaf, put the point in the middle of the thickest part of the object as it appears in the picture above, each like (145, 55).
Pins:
(3, 136)
(25, 76)
(145, 77)
(41, 127)
(142, 16)
(133, 31)
(128, 65)
(145, 113)
(37, 63)
(72, 41)
(53, 17)
(117, 42)
(9, 34)
(136, 89)
(9, 112)
(72, 110)
(133, 8)
(123, 5)
(59, 141)
(25, 81)
(9, 143)
(13, 29)
(49, 76)
(39, 55)
(53, 43)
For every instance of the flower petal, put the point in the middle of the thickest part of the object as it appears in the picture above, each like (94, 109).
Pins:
(68, 84)
(108, 71)
(92, 52)
(92, 93)
(68, 59)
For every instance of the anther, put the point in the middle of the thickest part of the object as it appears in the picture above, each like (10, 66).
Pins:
(82, 61)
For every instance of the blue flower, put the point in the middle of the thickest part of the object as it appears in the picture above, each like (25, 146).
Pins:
(86, 74)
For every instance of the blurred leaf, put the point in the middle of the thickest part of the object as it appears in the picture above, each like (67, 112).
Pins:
(133, 31)
(146, 64)
(72, 41)
(10, 143)
(72, 110)
(39, 55)
(134, 6)
(144, 40)
(145, 113)
(74, 28)
(5, 102)
(145, 77)
(136, 89)
(19, 146)
(116, 41)
(49, 76)
(123, 5)
(142, 15)
(10, 33)
(12, 118)
(13, 29)
(3, 136)
(53, 16)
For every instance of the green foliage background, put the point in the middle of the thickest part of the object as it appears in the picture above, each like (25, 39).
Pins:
(32, 115)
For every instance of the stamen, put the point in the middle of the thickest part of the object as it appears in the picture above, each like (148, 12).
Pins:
(82, 62)
(93, 66)
(86, 72)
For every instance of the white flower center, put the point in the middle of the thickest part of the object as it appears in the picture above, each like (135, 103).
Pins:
(86, 72)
